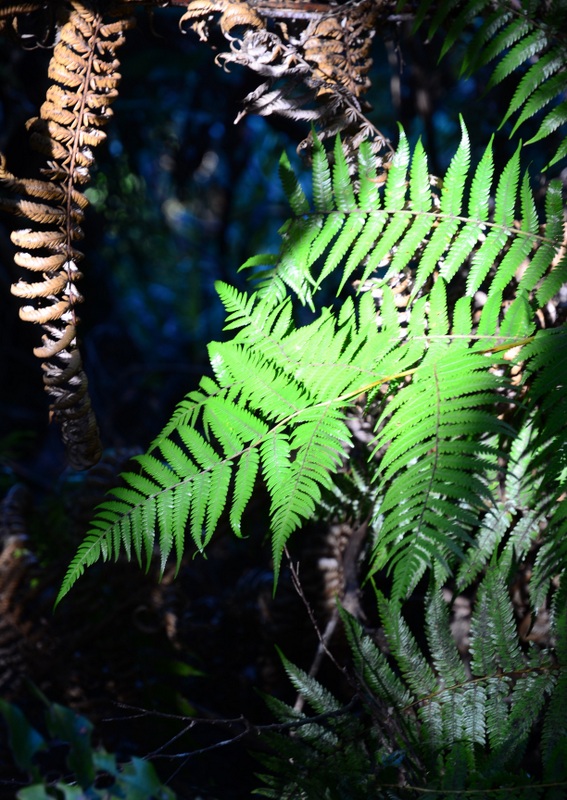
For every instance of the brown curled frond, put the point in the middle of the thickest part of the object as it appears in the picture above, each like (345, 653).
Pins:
(315, 62)
(9, 14)
(83, 71)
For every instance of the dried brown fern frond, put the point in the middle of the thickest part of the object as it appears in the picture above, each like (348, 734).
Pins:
(15, 19)
(315, 58)
(10, 11)
(15, 563)
(84, 75)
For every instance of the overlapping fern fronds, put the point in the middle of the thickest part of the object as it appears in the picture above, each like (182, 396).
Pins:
(528, 38)
(276, 408)
(425, 720)
(396, 219)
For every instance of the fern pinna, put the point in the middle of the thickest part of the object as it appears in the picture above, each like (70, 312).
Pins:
(529, 40)
(277, 406)
(426, 721)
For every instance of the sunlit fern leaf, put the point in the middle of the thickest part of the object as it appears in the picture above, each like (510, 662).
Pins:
(498, 235)
(478, 212)
(368, 196)
(276, 409)
(342, 186)
(393, 226)
(322, 180)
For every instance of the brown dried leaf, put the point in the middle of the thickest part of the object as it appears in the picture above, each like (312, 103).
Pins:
(33, 240)
(45, 288)
(58, 72)
(56, 344)
(45, 314)
(40, 264)
(239, 15)
(49, 147)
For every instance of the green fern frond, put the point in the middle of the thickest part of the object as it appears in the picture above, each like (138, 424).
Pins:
(494, 637)
(373, 667)
(384, 230)
(452, 730)
(528, 39)
(545, 451)
(438, 445)
(554, 736)
(496, 708)
(319, 699)
(277, 407)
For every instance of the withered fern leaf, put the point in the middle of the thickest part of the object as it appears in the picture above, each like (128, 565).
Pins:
(314, 65)
(84, 80)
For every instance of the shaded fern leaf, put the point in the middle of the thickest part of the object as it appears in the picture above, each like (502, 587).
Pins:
(450, 729)
(469, 728)
(337, 755)
(546, 452)
(440, 449)
(554, 736)
(528, 40)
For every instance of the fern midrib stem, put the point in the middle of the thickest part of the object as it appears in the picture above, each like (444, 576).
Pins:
(439, 215)
(75, 146)
(515, 673)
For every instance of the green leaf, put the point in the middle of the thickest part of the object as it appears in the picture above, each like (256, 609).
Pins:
(37, 792)
(294, 193)
(138, 780)
(24, 740)
(65, 724)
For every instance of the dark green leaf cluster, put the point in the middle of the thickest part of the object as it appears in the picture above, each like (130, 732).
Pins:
(529, 40)
(428, 720)
(468, 459)
(87, 765)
